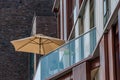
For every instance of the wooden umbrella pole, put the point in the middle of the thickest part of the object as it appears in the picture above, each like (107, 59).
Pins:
(40, 46)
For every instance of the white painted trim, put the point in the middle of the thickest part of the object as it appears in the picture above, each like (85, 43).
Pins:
(65, 20)
(61, 18)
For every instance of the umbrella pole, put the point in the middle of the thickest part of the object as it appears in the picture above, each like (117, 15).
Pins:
(39, 45)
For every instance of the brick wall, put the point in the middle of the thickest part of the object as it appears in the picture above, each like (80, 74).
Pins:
(46, 25)
(15, 23)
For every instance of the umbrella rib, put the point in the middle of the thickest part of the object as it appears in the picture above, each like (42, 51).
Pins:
(45, 40)
(34, 41)
(53, 42)
(50, 47)
(40, 46)
(25, 44)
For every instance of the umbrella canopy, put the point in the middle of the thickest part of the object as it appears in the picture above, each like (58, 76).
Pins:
(39, 44)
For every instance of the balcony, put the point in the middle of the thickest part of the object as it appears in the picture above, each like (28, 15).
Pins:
(67, 55)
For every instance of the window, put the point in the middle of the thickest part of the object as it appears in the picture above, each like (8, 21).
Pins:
(105, 10)
(91, 13)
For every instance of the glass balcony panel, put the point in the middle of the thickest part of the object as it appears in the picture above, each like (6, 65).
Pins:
(49, 65)
(77, 50)
(81, 42)
(92, 40)
(86, 45)
(64, 57)
(72, 52)
(67, 55)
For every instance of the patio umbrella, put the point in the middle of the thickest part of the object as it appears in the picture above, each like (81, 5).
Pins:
(39, 44)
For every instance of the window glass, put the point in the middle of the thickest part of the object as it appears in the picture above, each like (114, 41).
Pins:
(105, 11)
(105, 8)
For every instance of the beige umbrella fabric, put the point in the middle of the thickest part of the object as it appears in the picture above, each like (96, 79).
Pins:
(39, 44)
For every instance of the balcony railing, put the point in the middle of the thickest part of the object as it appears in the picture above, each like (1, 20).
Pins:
(67, 55)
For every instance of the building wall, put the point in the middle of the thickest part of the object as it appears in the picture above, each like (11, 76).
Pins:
(113, 4)
(46, 25)
(104, 66)
(99, 15)
(99, 18)
(15, 23)
(107, 49)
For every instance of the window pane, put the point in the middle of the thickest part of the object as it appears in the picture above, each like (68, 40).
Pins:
(105, 7)
(106, 11)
